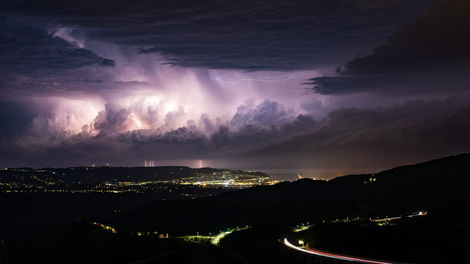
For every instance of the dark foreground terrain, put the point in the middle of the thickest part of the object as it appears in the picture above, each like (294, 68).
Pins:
(440, 187)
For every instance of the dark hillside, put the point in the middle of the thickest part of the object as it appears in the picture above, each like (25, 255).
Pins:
(81, 242)
(436, 186)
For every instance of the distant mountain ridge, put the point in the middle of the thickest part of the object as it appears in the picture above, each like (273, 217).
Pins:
(449, 175)
(441, 185)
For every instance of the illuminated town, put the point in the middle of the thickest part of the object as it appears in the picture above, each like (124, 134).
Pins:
(238, 179)
(14, 180)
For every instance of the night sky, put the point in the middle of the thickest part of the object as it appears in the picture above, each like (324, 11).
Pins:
(351, 85)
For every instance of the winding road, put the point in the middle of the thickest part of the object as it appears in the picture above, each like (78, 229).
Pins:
(336, 257)
(339, 258)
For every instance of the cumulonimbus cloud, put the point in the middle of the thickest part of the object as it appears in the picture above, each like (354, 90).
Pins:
(407, 132)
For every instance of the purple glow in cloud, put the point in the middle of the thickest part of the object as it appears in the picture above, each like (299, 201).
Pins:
(197, 83)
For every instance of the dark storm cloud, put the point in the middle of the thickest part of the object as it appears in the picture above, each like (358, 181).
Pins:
(157, 112)
(192, 142)
(111, 119)
(14, 117)
(252, 127)
(437, 39)
(346, 137)
(88, 80)
(131, 82)
(209, 138)
(429, 55)
(382, 137)
(247, 35)
(25, 50)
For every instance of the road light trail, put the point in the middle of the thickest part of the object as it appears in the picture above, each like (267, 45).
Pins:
(335, 256)
(398, 217)
(216, 240)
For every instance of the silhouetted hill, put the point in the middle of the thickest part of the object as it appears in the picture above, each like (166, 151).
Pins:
(284, 191)
(104, 174)
(204, 216)
(419, 240)
(433, 181)
(439, 185)
(429, 182)
(81, 242)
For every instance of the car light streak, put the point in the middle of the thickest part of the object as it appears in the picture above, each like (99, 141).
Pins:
(334, 256)
(398, 217)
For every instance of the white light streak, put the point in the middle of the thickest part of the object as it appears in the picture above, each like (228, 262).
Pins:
(282, 78)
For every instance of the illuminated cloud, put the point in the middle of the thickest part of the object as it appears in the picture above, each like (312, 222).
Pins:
(222, 82)
(346, 138)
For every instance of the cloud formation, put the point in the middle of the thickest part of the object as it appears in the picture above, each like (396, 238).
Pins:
(246, 35)
(86, 82)
(382, 137)
(27, 50)
(33, 61)
(347, 137)
(429, 55)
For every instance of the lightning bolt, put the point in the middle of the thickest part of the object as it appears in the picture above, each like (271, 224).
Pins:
(131, 115)
(136, 121)
(282, 78)
(217, 78)
(135, 103)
